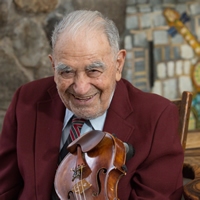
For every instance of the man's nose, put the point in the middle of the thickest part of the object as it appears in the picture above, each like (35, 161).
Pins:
(81, 84)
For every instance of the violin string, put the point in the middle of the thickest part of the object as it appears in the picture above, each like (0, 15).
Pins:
(76, 194)
(82, 181)
(75, 191)
(79, 192)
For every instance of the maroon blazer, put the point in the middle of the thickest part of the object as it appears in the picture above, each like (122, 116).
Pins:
(31, 134)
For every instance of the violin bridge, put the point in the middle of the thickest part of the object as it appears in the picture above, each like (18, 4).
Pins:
(81, 186)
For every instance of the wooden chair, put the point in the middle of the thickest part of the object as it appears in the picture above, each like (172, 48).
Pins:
(191, 189)
(184, 106)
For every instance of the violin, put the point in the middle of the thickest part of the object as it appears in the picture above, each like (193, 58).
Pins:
(92, 168)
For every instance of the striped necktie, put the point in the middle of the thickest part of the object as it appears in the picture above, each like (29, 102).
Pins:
(76, 128)
(75, 131)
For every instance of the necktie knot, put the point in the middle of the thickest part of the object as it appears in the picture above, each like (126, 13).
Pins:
(76, 128)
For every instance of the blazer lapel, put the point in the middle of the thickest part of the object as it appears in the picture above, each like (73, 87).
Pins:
(50, 116)
(120, 108)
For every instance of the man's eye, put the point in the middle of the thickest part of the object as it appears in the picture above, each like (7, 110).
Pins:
(66, 74)
(94, 73)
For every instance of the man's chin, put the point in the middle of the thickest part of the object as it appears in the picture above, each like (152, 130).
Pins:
(85, 114)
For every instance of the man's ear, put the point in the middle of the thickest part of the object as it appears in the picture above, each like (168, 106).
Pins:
(120, 63)
(52, 62)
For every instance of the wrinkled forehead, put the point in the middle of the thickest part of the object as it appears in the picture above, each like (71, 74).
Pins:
(84, 32)
(87, 47)
(83, 39)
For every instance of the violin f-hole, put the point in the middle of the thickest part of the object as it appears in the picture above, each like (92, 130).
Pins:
(69, 195)
(95, 194)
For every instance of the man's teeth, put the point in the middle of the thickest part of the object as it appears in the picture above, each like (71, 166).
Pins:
(86, 98)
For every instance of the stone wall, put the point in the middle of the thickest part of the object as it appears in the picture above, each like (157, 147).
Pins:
(157, 62)
(25, 32)
(172, 56)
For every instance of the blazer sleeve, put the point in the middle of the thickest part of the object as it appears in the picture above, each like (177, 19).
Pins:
(11, 181)
(160, 175)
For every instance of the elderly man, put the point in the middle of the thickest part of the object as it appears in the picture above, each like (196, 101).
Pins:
(87, 84)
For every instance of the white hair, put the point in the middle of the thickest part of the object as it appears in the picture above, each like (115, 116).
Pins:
(90, 21)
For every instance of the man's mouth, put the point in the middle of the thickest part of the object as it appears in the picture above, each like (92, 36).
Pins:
(84, 98)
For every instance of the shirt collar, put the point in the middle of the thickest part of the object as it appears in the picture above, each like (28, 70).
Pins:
(68, 115)
(97, 123)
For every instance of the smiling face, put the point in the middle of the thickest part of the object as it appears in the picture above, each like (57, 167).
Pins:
(85, 72)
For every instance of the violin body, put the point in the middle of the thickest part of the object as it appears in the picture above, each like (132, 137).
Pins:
(92, 169)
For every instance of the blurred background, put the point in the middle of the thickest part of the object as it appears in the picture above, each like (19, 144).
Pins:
(159, 59)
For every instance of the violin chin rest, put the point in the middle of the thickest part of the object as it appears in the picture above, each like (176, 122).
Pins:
(87, 141)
